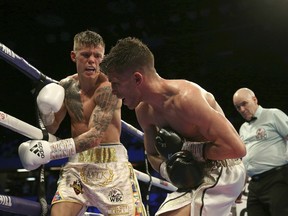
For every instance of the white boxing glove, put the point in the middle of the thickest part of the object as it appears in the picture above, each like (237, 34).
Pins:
(49, 101)
(34, 153)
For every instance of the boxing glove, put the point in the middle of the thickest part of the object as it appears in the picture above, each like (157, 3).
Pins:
(49, 101)
(184, 171)
(168, 142)
(34, 153)
(196, 148)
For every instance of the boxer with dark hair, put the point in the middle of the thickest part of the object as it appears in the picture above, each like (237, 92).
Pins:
(207, 137)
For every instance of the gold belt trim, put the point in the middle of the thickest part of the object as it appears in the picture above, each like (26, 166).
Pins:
(98, 155)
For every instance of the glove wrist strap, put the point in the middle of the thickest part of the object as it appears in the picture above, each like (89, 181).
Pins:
(163, 171)
(196, 148)
(62, 149)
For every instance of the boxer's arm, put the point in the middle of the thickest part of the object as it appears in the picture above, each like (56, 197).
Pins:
(150, 132)
(153, 156)
(106, 106)
(100, 119)
(224, 141)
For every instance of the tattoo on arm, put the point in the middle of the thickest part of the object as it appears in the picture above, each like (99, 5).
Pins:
(101, 117)
(104, 110)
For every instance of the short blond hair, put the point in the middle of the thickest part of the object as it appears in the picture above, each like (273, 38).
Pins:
(87, 39)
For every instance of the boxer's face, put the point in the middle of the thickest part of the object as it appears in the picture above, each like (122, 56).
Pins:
(124, 86)
(87, 60)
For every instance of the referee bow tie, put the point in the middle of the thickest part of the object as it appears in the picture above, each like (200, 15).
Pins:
(252, 119)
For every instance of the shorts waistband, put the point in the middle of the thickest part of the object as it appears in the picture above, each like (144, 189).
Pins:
(102, 154)
(274, 170)
(224, 163)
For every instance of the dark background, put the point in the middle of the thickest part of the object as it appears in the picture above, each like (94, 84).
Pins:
(221, 45)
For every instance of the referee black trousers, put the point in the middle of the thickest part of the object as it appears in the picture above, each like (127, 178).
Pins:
(268, 194)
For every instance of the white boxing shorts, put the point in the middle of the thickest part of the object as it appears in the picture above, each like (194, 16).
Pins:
(223, 182)
(101, 177)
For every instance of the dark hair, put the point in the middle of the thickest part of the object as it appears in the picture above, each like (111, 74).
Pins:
(129, 54)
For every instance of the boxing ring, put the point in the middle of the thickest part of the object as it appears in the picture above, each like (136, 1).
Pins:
(13, 204)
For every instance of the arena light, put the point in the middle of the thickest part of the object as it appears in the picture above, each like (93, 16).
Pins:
(30, 179)
(22, 170)
(55, 168)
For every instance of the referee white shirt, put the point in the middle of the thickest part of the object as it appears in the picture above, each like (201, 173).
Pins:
(265, 138)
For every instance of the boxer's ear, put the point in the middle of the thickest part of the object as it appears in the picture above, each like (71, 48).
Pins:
(138, 77)
(73, 56)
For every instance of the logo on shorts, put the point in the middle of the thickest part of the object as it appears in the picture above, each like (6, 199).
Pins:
(100, 176)
(77, 186)
(115, 195)
(118, 210)
(57, 197)
(37, 149)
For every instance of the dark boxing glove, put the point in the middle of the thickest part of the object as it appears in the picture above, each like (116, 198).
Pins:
(184, 171)
(168, 142)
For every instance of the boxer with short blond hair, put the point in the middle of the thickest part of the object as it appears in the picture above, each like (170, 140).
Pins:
(98, 172)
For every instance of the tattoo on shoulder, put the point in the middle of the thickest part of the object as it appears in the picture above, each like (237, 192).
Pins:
(65, 83)
(73, 101)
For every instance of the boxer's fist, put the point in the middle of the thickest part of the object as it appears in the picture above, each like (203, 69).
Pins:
(168, 142)
(184, 171)
(50, 98)
(49, 101)
(34, 153)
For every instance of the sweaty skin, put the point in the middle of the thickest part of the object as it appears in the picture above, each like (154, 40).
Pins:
(95, 113)
(192, 112)
(181, 105)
